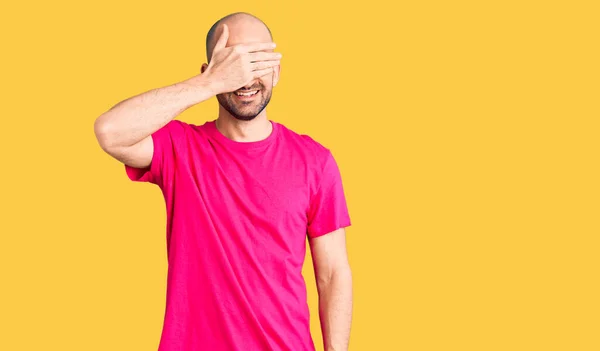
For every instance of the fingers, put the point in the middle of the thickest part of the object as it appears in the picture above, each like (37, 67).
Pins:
(263, 56)
(222, 39)
(257, 66)
(262, 72)
(253, 47)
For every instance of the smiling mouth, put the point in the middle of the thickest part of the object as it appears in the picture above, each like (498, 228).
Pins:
(246, 93)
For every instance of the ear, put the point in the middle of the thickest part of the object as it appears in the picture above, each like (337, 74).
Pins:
(276, 71)
(203, 68)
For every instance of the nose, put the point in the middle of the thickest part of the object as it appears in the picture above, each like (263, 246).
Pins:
(251, 85)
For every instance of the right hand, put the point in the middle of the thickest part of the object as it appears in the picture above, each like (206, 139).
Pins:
(233, 67)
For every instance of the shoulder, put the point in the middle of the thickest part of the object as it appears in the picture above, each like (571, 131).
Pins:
(176, 133)
(175, 127)
(311, 148)
(184, 130)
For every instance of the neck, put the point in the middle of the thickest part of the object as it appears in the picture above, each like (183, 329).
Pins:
(257, 129)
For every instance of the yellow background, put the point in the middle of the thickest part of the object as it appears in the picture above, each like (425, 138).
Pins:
(466, 133)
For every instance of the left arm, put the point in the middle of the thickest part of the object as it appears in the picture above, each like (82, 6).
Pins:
(334, 285)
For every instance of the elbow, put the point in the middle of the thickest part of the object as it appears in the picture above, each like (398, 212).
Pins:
(339, 275)
(103, 133)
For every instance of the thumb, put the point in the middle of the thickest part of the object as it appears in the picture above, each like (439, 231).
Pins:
(220, 44)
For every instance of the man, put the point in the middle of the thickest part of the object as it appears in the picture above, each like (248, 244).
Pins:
(242, 194)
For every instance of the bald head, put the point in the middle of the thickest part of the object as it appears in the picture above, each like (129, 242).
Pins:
(243, 28)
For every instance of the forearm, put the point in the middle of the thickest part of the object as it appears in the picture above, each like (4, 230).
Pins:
(335, 310)
(131, 120)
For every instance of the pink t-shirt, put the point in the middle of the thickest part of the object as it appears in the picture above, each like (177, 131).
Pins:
(238, 217)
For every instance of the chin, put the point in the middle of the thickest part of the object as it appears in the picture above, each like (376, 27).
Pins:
(245, 118)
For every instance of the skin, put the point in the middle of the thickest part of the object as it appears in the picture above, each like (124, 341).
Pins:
(241, 57)
(239, 120)
(247, 122)
(334, 286)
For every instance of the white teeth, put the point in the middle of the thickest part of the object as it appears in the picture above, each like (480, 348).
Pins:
(246, 94)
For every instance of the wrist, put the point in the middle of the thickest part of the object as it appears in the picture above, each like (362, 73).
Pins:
(203, 85)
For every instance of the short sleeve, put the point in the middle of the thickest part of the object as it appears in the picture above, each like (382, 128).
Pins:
(165, 141)
(328, 210)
